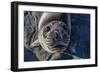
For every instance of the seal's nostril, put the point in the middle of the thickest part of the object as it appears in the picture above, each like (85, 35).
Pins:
(64, 36)
(57, 37)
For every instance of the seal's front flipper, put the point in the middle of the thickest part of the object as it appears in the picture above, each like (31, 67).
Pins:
(35, 44)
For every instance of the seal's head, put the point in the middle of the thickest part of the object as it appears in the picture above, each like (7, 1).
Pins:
(54, 37)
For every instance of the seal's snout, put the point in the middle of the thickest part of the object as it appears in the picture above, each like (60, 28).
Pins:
(56, 31)
(55, 36)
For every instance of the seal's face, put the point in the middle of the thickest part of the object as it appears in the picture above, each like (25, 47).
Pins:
(56, 35)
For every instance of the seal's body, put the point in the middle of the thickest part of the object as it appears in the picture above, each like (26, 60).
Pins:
(53, 36)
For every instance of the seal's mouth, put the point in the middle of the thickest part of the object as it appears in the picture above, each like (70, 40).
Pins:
(59, 46)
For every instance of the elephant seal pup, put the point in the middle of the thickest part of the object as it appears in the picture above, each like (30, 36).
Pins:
(53, 37)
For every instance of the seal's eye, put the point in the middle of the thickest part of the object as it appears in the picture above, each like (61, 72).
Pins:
(47, 29)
